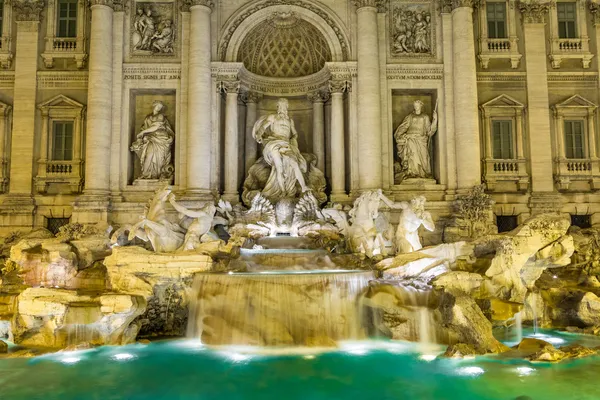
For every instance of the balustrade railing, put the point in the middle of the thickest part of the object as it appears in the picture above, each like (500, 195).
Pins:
(498, 45)
(65, 44)
(570, 45)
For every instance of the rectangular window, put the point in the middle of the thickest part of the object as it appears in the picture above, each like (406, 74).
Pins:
(67, 19)
(62, 140)
(496, 20)
(582, 221)
(502, 139)
(506, 223)
(567, 20)
(574, 139)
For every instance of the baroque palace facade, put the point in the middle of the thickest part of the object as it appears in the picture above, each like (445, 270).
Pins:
(94, 95)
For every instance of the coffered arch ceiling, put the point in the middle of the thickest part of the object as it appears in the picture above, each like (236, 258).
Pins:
(284, 46)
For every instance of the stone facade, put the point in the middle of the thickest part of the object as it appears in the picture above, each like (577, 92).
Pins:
(73, 100)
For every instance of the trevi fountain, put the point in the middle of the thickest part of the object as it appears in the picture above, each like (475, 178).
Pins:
(288, 199)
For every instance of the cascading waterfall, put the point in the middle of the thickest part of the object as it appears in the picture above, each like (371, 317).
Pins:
(519, 327)
(312, 308)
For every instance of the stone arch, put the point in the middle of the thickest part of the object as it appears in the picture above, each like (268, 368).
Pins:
(242, 22)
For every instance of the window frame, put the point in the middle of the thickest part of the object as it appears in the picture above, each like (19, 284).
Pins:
(569, 33)
(500, 121)
(496, 22)
(573, 148)
(59, 46)
(69, 21)
(52, 143)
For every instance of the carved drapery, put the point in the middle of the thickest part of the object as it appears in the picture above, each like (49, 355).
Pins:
(28, 10)
(534, 12)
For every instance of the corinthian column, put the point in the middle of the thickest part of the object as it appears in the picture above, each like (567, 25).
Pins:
(231, 90)
(466, 118)
(250, 145)
(338, 148)
(538, 116)
(18, 206)
(99, 107)
(369, 95)
(318, 99)
(200, 91)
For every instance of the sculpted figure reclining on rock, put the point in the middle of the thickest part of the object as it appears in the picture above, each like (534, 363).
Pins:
(282, 171)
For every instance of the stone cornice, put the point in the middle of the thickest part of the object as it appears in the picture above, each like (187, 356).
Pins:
(186, 4)
(534, 12)
(28, 10)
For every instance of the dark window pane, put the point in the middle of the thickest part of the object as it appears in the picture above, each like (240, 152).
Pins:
(506, 223)
(582, 221)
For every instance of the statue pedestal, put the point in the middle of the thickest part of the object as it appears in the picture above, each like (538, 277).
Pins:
(150, 185)
(418, 183)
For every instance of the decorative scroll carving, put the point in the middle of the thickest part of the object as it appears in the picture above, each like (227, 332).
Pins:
(228, 87)
(534, 12)
(268, 3)
(595, 11)
(379, 4)
(186, 4)
(253, 97)
(318, 96)
(108, 3)
(336, 86)
(412, 30)
(445, 6)
(28, 10)
(153, 29)
(463, 3)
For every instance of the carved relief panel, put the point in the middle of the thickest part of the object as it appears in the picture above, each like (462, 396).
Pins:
(153, 29)
(412, 29)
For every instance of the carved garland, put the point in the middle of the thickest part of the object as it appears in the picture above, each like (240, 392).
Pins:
(269, 3)
(28, 10)
(534, 12)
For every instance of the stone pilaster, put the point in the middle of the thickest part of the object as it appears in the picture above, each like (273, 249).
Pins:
(338, 147)
(538, 116)
(93, 205)
(231, 90)
(318, 99)
(250, 144)
(369, 95)
(466, 117)
(200, 91)
(18, 207)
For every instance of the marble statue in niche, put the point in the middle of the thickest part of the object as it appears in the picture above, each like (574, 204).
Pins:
(282, 171)
(413, 143)
(411, 30)
(152, 29)
(154, 145)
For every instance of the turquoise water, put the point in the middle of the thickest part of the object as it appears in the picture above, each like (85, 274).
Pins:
(370, 370)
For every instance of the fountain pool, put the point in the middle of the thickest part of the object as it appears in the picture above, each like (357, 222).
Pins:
(185, 369)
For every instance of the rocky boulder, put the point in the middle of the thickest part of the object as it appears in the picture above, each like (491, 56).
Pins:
(56, 318)
(588, 309)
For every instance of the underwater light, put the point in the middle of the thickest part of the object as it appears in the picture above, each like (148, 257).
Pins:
(471, 371)
(427, 357)
(309, 357)
(70, 360)
(123, 357)
(524, 371)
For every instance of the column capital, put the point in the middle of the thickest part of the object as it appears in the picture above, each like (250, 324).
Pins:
(339, 86)
(28, 10)
(454, 4)
(229, 87)
(253, 97)
(187, 4)
(108, 3)
(380, 5)
(318, 96)
(534, 12)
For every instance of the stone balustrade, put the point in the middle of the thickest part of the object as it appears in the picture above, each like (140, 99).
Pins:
(510, 171)
(568, 171)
